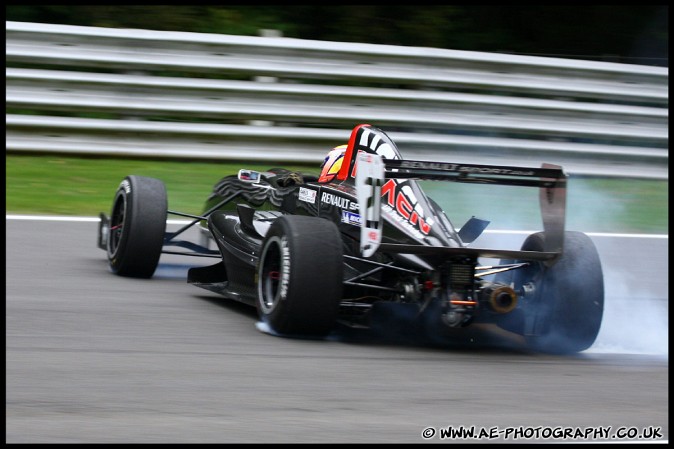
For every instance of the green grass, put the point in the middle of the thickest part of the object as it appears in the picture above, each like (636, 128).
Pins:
(50, 184)
(60, 185)
(592, 205)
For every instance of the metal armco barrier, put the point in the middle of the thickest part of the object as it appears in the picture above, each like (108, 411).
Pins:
(130, 92)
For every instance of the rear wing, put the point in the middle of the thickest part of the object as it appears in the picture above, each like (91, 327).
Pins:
(373, 170)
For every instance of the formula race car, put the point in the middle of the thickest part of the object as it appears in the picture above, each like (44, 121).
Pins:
(311, 252)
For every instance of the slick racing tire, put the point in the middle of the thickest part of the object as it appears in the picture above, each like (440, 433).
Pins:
(137, 226)
(564, 313)
(300, 276)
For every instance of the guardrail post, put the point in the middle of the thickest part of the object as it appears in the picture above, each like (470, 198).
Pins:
(266, 79)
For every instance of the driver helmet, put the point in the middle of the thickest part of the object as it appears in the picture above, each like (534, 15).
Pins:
(332, 163)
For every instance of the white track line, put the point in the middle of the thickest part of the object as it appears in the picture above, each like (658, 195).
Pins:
(96, 219)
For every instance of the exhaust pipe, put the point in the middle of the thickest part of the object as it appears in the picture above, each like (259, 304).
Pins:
(501, 299)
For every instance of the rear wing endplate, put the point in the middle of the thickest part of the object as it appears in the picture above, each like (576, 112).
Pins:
(373, 170)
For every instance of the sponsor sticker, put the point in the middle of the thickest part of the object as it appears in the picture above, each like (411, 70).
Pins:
(341, 202)
(351, 218)
(307, 195)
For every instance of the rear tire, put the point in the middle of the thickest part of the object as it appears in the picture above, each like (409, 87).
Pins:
(565, 311)
(137, 227)
(300, 276)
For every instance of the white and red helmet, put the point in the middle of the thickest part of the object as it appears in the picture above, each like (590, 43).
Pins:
(332, 163)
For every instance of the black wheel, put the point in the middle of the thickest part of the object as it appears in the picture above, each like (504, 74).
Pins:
(137, 226)
(564, 310)
(300, 276)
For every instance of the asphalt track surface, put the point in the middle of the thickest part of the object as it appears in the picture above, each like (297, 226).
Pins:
(96, 358)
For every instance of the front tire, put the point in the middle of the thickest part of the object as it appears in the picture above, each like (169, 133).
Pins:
(137, 227)
(300, 276)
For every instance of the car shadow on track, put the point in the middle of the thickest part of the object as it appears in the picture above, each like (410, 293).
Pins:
(389, 329)
(390, 326)
(401, 329)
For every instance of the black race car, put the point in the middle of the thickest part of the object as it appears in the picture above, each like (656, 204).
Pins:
(310, 252)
